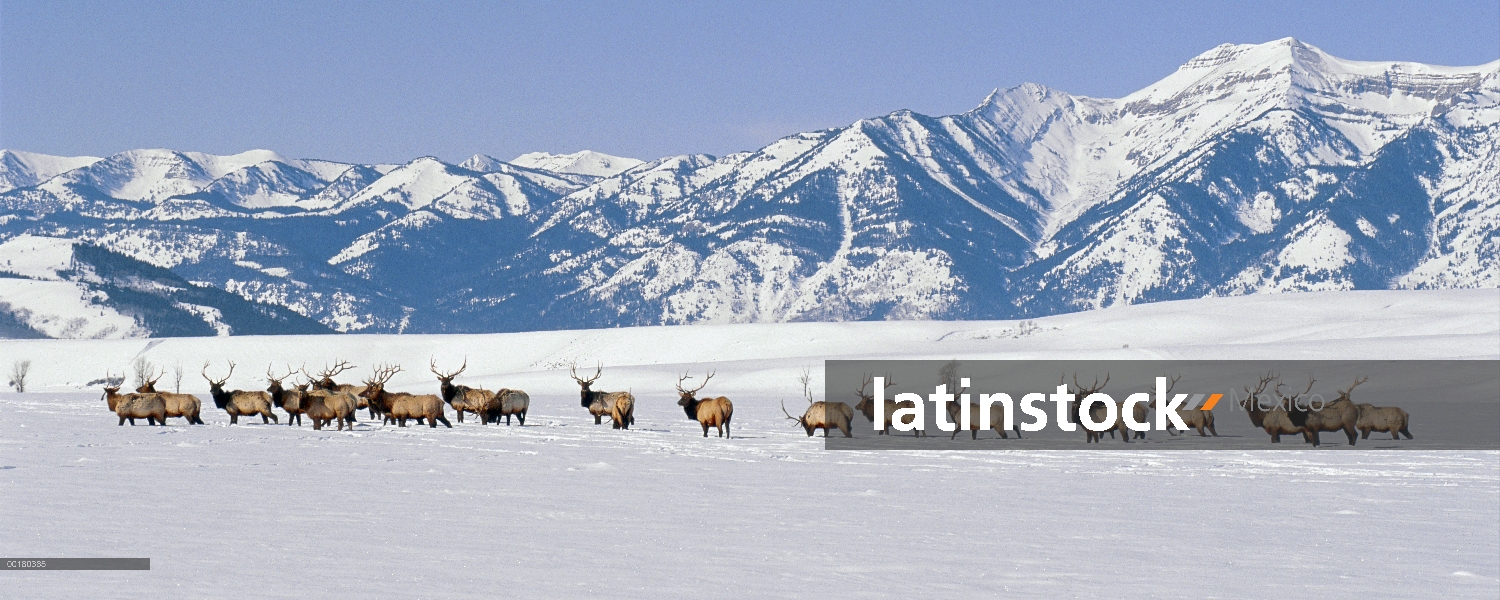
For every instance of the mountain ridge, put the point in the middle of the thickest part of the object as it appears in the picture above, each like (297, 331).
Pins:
(1253, 168)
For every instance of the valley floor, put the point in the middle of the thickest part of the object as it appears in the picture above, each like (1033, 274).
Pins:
(562, 507)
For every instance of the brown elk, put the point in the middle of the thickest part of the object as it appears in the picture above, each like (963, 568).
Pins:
(1096, 412)
(1388, 419)
(620, 406)
(324, 407)
(1274, 421)
(888, 408)
(324, 381)
(1338, 415)
(1195, 419)
(289, 400)
(187, 406)
(130, 407)
(400, 406)
(239, 403)
(708, 412)
(821, 415)
(997, 419)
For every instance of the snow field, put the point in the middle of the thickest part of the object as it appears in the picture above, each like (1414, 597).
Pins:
(563, 507)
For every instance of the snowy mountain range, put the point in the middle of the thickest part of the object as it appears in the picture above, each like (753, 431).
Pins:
(1252, 169)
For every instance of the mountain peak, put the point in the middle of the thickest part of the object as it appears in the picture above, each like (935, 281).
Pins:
(584, 162)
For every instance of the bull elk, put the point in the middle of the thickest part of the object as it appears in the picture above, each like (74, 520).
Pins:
(822, 414)
(238, 402)
(1274, 421)
(1097, 413)
(1196, 419)
(187, 406)
(620, 406)
(324, 381)
(1339, 415)
(400, 406)
(289, 400)
(888, 408)
(130, 407)
(462, 397)
(708, 412)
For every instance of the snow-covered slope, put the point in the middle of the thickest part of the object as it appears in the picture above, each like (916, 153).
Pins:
(59, 288)
(562, 507)
(25, 169)
(1252, 169)
(584, 162)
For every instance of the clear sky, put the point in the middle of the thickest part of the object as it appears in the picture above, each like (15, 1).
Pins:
(391, 81)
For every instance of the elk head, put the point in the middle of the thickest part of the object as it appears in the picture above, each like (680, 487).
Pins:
(802, 420)
(216, 387)
(445, 381)
(324, 380)
(688, 400)
(1170, 386)
(585, 393)
(375, 385)
(1252, 398)
(1296, 414)
(149, 385)
(866, 398)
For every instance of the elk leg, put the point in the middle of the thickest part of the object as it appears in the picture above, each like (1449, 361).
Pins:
(444, 420)
(1349, 431)
(1406, 433)
(1210, 430)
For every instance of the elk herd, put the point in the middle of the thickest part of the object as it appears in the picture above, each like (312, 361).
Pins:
(326, 402)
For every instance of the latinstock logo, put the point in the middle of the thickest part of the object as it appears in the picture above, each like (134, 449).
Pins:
(1159, 404)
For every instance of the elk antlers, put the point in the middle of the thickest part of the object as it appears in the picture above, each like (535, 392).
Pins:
(219, 383)
(574, 374)
(695, 390)
(448, 377)
(383, 373)
(1345, 393)
(1084, 392)
(869, 379)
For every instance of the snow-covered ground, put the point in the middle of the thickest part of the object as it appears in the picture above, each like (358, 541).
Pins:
(562, 507)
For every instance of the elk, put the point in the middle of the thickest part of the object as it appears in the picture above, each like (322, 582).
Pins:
(488, 406)
(401, 406)
(1388, 419)
(888, 408)
(239, 403)
(1096, 412)
(289, 400)
(324, 381)
(1339, 415)
(821, 415)
(511, 402)
(130, 407)
(620, 406)
(1195, 419)
(997, 419)
(1273, 421)
(324, 407)
(186, 406)
(708, 412)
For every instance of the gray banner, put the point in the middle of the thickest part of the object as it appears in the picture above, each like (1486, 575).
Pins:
(76, 564)
(1426, 405)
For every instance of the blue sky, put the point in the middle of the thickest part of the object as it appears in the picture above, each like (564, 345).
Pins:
(368, 82)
